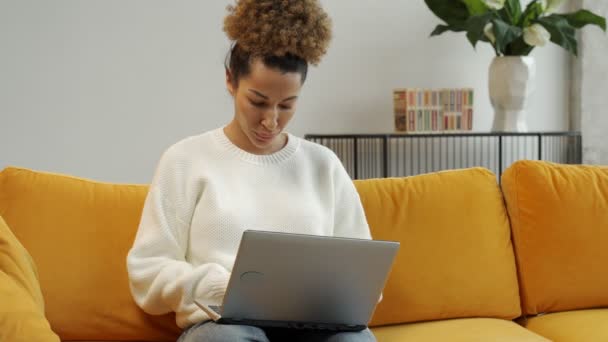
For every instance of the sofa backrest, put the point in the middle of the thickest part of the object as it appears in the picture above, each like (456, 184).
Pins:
(559, 219)
(78, 233)
(456, 258)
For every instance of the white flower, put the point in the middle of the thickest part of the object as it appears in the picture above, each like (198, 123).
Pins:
(552, 5)
(488, 30)
(536, 35)
(494, 4)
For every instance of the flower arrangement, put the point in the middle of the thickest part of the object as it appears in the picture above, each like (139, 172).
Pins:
(511, 29)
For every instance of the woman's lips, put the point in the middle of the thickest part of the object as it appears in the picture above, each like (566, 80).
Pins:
(264, 137)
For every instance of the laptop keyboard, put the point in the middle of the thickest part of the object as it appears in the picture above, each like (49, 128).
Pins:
(298, 326)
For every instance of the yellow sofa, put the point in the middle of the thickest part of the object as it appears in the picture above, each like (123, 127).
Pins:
(475, 257)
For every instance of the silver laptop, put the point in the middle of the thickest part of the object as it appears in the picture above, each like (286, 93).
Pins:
(304, 282)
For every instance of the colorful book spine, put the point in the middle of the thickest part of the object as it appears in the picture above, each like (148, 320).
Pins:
(400, 109)
(419, 110)
(411, 96)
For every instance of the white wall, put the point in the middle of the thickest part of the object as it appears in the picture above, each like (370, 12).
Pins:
(99, 88)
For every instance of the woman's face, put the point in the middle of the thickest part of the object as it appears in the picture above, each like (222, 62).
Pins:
(265, 101)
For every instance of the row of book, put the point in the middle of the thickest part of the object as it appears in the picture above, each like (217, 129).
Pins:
(433, 110)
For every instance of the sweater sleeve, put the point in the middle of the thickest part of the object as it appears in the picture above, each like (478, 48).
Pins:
(349, 220)
(161, 280)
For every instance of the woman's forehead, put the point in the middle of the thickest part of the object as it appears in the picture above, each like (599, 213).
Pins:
(272, 81)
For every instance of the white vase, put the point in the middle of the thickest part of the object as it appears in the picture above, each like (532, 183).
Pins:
(511, 83)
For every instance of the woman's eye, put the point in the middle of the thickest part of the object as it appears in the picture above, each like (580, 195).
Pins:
(257, 104)
(263, 104)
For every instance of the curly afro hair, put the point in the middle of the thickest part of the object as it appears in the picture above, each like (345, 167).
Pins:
(280, 27)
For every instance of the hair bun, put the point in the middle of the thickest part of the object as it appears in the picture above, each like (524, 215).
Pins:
(279, 27)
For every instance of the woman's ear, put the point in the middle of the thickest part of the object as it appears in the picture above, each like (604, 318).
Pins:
(229, 84)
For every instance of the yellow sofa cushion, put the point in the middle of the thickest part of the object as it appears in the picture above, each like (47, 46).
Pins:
(78, 233)
(458, 330)
(559, 219)
(456, 258)
(572, 326)
(21, 304)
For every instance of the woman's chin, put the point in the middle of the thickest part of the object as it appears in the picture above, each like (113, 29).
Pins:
(267, 146)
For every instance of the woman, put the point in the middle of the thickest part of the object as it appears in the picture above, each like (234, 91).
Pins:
(250, 174)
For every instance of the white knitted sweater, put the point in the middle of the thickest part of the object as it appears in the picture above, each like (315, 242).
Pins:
(207, 191)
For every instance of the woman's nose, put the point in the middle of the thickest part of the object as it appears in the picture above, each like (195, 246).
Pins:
(270, 119)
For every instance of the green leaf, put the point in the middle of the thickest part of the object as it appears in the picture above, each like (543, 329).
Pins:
(443, 28)
(453, 12)
(504, 15)
(518, 47)
(513, 9)
(532, 12)
(476, 7)
(505, 34)
(562, 33)
(475, 26)
(583, 17)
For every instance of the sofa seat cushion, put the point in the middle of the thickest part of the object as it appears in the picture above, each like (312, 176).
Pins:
(458, 330)
(559, 219)
(456, 258)
(78, 233)
(572, 326)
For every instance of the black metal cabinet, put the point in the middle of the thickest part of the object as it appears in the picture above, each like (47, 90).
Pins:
(398, 155)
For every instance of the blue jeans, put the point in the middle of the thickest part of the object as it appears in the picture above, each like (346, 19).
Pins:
(212, 332)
